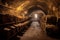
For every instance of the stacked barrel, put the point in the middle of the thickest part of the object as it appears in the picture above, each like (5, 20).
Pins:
(11, 28)
(53, 27)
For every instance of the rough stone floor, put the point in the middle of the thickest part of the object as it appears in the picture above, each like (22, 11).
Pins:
(35, 33)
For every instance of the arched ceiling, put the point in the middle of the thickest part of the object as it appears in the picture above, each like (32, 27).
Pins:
(18, 7)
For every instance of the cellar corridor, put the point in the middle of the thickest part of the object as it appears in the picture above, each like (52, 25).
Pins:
(29, 19)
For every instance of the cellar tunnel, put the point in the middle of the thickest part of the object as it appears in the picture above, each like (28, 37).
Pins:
(29, 20)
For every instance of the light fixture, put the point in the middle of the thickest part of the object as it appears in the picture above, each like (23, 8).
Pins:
(36, 15)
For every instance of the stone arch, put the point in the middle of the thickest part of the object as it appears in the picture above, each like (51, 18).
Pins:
(38, 6)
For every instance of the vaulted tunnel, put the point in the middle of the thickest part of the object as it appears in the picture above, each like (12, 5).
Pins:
(23, 20)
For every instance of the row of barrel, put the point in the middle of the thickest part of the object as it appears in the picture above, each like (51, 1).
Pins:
(53, 31)
(10, 26)
(10, 31)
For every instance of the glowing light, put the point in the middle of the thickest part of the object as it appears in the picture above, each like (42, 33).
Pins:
(22, 6)
(36, 16)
